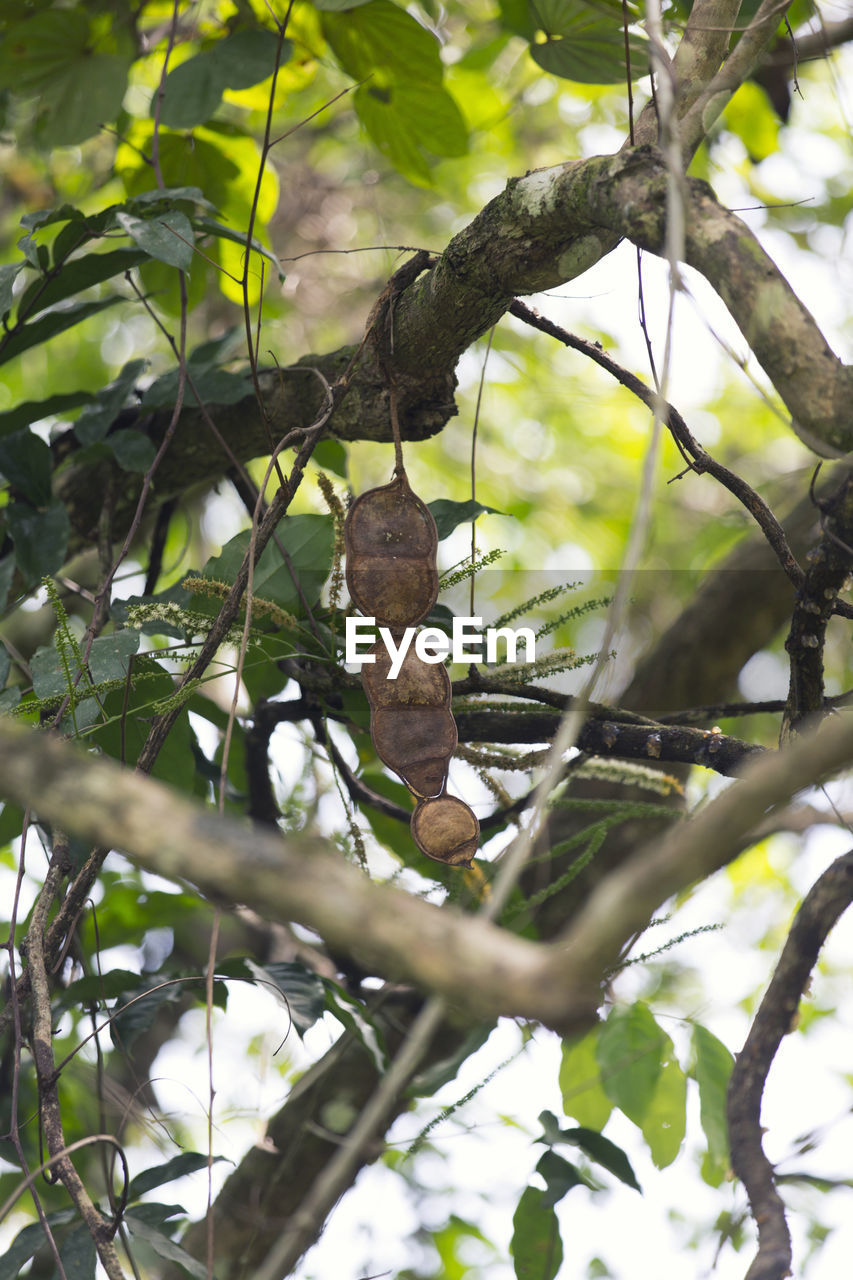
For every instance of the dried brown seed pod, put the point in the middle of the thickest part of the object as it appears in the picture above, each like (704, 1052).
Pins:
(411, 724)
(447, 830)
(391, 541)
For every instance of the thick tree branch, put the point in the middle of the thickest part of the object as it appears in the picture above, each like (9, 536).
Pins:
(384, 929)
(820, 909)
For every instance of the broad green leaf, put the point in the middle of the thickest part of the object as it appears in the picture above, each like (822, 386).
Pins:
(382, 35)
(139, 1006)
(407, 119)
(78, 1254)
(168, 237)
(9, 273)
(35, 410)
(560, 1176)
(536, 1247)
(163, 1246)
(331, 456)
(169, 1171)
(210, 227)
(307, 540)
(51, 323)
(750, 115)
(303, 993)
(27, 1241)
(127, 726)
(711, 1069)
(664, 1119)
(194, 90)
(585, 47)
(75, 276)
(97, 418)
(109, 657)
(247, 57)
(603, 1152)
(629, 1056)
(95, 987)
(442, 1072)
(7, 573)
(338, 6)
(389, 132)
(215, 386)
(11, 817)
(26, 462)
(40, 537)
(580, 1082)
(133, 450)
(448, 515)
(52, 56)
(356, 1018)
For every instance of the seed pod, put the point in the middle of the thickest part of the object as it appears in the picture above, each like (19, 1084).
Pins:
(447, 830)
(411, 724)
(391, 541)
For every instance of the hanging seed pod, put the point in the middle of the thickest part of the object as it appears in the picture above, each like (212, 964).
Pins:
(447, 830)
(391, 541)
(411, 724)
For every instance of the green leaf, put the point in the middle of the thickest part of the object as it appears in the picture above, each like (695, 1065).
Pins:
(382, 35)
(331, 456)
(215, 386)
(560, 1176)
(163, 1246)
(338, 6)
(128, 723)
(51, 56)
(304, 995)
(580, 1082)
(406, 119)
(307, 539)
(168, 237)
(630, 1045)
(247, 57)
(26, 462)
(144, 1001)
(536, 1247)
(665, 1119)
(51, 323)
(355, 1017)
(448, 515)
(78, 1254)
(194, 90)
(159, 1175)
(750, 115)
(711, 1069)
(40, 537)
(603, 1152)
(9, 273)
(133, 451)
(76, 275)
(35, 410)
(210, 227)
(584, 47)
(97, 418)
(7, 573)
(27, 1241)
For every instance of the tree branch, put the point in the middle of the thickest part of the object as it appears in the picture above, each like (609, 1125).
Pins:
(384, 929)
(824, 903)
